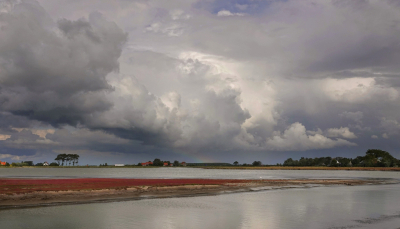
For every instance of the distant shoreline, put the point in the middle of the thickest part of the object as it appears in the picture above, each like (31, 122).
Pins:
(396, 169)
(21, 193)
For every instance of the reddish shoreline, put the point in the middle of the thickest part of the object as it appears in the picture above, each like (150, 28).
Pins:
(45, 192)
(22, 186)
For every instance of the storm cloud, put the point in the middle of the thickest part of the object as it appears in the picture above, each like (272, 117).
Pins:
(213, 78)
(56, 72)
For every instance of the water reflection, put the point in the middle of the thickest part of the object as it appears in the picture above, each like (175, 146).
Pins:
(321, 207)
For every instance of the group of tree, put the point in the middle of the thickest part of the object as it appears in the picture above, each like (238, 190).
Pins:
(67, 158)
(255, 163)
(372, 158)
(158, 162)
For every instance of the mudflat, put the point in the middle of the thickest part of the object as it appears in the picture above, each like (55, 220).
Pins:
(43, 192)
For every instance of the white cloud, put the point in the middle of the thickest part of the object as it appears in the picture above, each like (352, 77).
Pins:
(171, 30)
(4, 137)
(39, 132)
(355, 90)
(295, 138)
(179, 15)
(2, 156)
(224, 13)
(343, 132)
(374, 137)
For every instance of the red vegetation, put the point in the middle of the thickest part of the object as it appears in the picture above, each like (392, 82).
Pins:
(19, 186)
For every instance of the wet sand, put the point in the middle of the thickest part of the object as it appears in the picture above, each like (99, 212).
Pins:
(24, 194)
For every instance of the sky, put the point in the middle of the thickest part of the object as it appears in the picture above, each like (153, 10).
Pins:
(127, 81)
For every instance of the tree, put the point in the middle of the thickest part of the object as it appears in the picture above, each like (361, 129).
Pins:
(257, 163)
(53, 164)
(58, 159)
(157, 162)
(68, 158)
(76, 158)
(176, 163)
(356, 161)
(288, 162)
(63, 158)
(334, 163)
(344, 162)
(236, 163)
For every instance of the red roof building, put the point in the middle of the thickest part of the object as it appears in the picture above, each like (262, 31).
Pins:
(183, 163)
(165, 163)
(3, 163)
(147, 163)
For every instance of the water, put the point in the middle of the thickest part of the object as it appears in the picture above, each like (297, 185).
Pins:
(188, 173)
(333, 207)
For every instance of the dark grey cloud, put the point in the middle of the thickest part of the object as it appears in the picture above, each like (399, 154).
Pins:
(56, 72)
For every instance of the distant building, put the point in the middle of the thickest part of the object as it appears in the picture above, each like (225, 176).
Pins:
(147, 163)
(165, 164)
(119, 165)
(183, 163)
(3, 163)
(171, 164)
(45, 163)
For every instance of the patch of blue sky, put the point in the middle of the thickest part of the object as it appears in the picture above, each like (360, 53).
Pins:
(249, 7)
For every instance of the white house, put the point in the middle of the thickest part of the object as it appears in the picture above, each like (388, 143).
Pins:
(119, 165)
(45, 163)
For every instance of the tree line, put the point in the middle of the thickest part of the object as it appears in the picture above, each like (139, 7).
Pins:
(67, 158)
(372, 158)
(255, 163)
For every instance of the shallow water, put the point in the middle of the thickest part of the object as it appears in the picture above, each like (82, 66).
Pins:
(322, 207)
(188, 173)
(368, 206)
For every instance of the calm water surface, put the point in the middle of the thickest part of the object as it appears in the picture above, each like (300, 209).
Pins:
(333, 207)
(187, 173)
